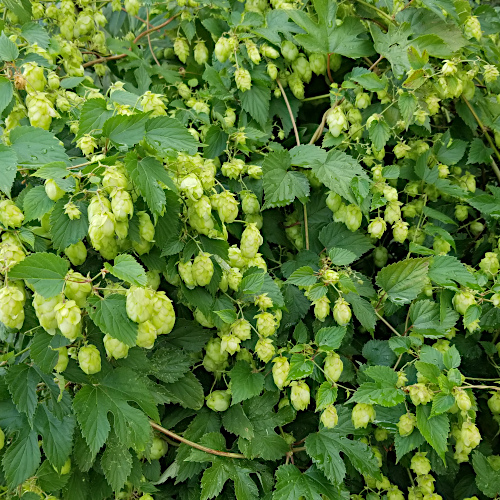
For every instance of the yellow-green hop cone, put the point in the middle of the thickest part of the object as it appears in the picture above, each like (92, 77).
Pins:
(62, 359)
(234, 279)
(420, 464)
(69, 319)
(394, 493)
(494, 403)
(470, 435)
(281, 368)
(2, 439)
(159, 448)
(200, 53)
(233, 169)
(420, 394)
(251, 240)
(242, 329)
(45, 311)
(362, 415)
(249, 203)
(218, 400)
(181, 48)
(462, 399)
(322, 308)
(333, 367)
(203, 269)
(263, 302)
(186, 273)
(222, 49)
(252, 51)
(12, 306)
(139, 303)
(89, 359)
(146, 232)
(377, 227)
(122, 205)
(300, 395)
(265, 349)
(243, 79)
(226, 205)
(329, 417)
(191, 187)
(342, 312)
(77, 288)
(115, 348)
(406, 424)
(230, 343)
(163, 318)
(146, 335)
(353, 217)
(53, 191)
(10, 215)
(472, 28)
(146, 496)
(489, 263)
(266, 324)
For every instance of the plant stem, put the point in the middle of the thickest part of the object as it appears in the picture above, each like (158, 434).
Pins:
(328, 71)
(297, 139)
(493, 387)
(375, 63)
(485, 132)
(387, 324)
(137, 38)
(381, 13)
(322, 96)
(294, 125)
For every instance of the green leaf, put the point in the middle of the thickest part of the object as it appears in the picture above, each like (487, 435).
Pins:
(8, 49)
(305, 154)
(45, 271)
(6, 93)
(236, 421)
(404, 280)
(57, 435)
(324, 448)
(36, 147)
(479, 152)
(167, 134)
(428, 370)
(169, 365)
(330, 338)
(425, 316)
(341, 256)
(43, 349)
(227, 315)
(405, 444)
(349, 39)
(434, 429)
(93, 116)
(53, 170)
(22, 458)
(304, 276)
(110, 315)
(337, 173)
(216, 141)
(487, 477)
(126, 268)
(35, 33)
(8, 167)
(378, 352)
(326, 395)
(291, 484)
(245, 384)
(146, 175)
(368, 79)
(36, 203)
(187, 391)
(337, 235)
(282, 186)
(65, 231)
(451, 358)
(256, 102)
(441, 403)
(445, 270)
(116, 462)
(300, 367)
(188, 335)
(451, 153)
(407, 103)
(21, 8)
(22, 381)
(393, 45)
(379, 132)
(213, 480)
(363, 311)
(125, 129)
(383, 393)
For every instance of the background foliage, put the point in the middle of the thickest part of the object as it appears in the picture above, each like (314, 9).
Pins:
(249, 250)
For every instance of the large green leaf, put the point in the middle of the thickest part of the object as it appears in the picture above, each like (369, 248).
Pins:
(8, 167)
(64, 230)
(168, 134)
(434, 429)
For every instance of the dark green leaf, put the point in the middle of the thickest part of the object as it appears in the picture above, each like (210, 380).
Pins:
(245, 384)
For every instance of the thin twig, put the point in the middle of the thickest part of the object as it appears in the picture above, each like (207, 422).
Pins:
(485, 132)
(137, 38)
(294, 125)
(328, 71)
(387, 324)
(373, 66)
(381, 13)
(149, 41)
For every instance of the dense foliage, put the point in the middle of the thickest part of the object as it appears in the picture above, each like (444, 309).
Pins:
(249, 250)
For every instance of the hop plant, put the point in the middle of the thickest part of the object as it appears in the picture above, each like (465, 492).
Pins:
(76, 253)
(140, 303)
(333, 367)
(89, 359)
(420, 464)
(462, 300)
(10, 214)
(218, 400)
(159, 448)
(12, 301)
(200, 52)
(115, 348)
(77, 288)
(62, 360)
(251, 240)
(203, 269)
(362, 415)
(420, 394)
(406, 424)
(342, 312)
(329, 418)
(243, 79)
(281, 368)
(300, 395)
(337, 121)
(69, 319)
(45, 311)
(163, 315)
(265, 349)
(146, 335)
(181, 48)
